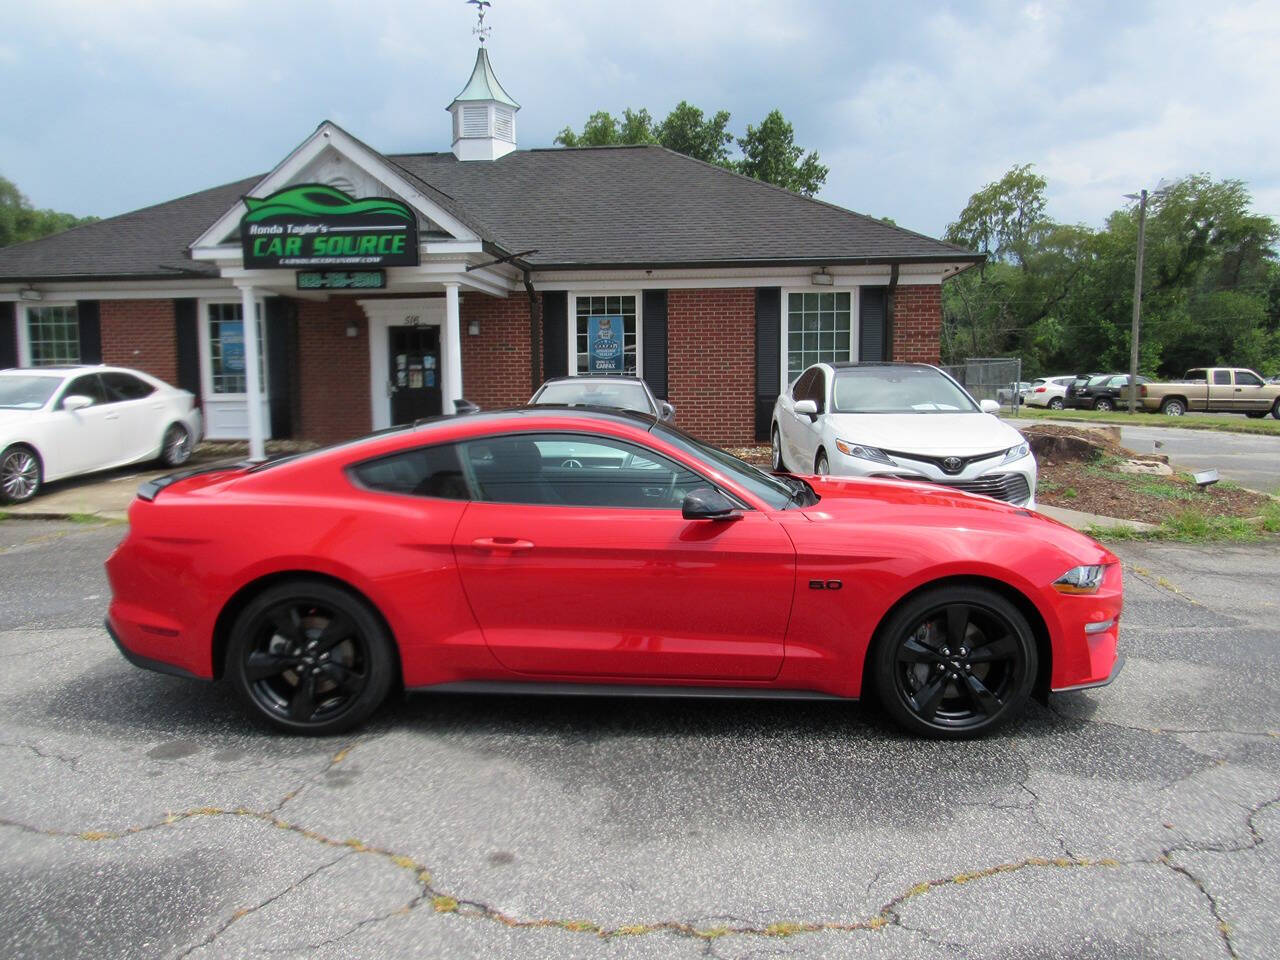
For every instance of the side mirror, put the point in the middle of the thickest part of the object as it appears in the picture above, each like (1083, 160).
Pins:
(464, 407)
(806, 408)
(708, 503)
(989, 406)
(666, 411)
(76, 401)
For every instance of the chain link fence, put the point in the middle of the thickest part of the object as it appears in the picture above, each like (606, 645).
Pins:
(991, 378)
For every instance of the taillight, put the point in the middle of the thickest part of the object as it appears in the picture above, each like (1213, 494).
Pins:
(1142, 389)
(1039, 389)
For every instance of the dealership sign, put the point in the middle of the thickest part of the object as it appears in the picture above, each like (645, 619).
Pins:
(604, 344)
(315, 225)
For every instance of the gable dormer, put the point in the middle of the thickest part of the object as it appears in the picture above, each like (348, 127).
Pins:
(484, 115)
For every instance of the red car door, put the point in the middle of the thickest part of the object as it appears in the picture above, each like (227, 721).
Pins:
(577, 562)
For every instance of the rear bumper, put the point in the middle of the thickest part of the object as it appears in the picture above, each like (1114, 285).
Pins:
(148, 663)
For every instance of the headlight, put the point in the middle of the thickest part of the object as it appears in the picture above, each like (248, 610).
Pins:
(1016, 453)
(1081, 579)
(863, 452)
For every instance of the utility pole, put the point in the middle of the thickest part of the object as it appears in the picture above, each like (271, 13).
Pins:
(1137, 304)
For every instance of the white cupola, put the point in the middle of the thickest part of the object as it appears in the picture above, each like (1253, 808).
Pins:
(484, 115)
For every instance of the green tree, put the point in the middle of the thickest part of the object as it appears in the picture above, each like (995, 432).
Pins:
(20, 222)
(687, 130)
(1003, 219)
(769, 153)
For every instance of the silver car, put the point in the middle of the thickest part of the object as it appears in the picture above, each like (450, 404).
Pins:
(622, 393)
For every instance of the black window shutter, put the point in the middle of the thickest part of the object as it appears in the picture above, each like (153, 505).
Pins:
(768, 356)
(555, 334)
(186, 332)
(871, 323)
(281, 323)
(90, 331)
(8, 335)
(654, 309)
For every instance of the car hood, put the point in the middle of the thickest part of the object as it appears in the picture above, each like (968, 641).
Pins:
(14, 419)
(904, 504)
(932, 434)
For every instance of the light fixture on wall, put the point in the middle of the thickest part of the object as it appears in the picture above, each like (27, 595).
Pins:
(353, 329)
(822, 278)
(30, 293)
(473, 328)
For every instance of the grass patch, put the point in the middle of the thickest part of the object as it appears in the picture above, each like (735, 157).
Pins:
(84, 518)
(1070, 493)
(1229, 422)
(3, 516)
(1194, 526)
(1163, 491)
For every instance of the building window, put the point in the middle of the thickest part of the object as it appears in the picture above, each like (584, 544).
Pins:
(613, 350)
(53, 335)
(819, 330)
(226, 349)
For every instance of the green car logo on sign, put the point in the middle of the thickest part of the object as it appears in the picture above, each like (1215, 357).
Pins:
(315, 225)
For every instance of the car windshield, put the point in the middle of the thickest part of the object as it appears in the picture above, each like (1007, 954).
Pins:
(623, 395)
(18, 392)
(775, 491)
(898, 390)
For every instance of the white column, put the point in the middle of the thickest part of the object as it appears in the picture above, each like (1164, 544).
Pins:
(253, 385)
(452, 348)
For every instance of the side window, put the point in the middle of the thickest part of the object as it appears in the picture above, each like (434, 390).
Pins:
(800, 389)
(1196, 376)
(88, 385)
(424, 472)
(1246, 379)
(124, 386)
(575, 470)
(818, 390)
(1221, 377)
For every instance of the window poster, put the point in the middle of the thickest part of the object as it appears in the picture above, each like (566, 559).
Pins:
(231, 340)
(604, 344)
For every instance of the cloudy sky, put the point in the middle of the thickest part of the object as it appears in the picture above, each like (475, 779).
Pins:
(109, 106)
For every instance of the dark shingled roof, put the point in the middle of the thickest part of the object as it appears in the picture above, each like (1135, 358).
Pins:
(590, 207)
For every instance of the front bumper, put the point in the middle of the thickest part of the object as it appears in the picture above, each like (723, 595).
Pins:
(1013, 482)
(1093, 684)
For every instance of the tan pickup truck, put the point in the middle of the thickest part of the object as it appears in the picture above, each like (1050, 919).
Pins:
(1213, 389)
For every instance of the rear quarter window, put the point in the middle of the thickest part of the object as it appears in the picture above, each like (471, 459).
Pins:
(421, 472)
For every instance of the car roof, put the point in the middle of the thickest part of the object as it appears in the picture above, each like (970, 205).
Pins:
(851, 364)
(600, 377)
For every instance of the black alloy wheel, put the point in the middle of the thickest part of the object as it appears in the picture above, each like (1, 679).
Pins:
(779, 465)
(310, 658)
(20, 474)
(955, 662)
(175, 450)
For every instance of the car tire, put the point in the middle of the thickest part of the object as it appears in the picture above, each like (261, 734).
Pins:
(1173, 407)
(1256, 414)
(779, 465)
(21, 474)
(1104, 405)
(1275, 409)
(175, 448)
(309, 657)
(954, 695)
(1056, 403)
(821, 466)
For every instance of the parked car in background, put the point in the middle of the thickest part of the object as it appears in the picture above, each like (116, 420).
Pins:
(907, 421)
(1020, 389)
(1105, 391)
(57, 422)
(622, 393)
(465, 554)
(1215, 390)
(1048, 392)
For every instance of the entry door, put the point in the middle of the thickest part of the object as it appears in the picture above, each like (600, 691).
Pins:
(415, 373)
(582, 588)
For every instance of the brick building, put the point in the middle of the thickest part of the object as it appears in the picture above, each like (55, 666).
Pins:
(474, 273)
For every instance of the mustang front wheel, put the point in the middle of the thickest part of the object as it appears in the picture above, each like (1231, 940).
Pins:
(310, 658)
(955, 662)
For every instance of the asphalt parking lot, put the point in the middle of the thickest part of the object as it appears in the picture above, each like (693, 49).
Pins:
(144, 816)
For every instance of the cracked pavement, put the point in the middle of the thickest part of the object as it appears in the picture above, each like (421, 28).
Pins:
(145, 816)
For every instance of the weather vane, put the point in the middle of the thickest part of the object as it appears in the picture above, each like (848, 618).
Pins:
(482, 7)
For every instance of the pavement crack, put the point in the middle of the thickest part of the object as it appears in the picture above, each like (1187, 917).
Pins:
(1224, 929)
(70, 761)
(240, 914)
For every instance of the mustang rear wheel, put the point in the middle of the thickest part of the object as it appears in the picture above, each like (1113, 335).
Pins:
(20, 474)
(955, 662)
(310, 658)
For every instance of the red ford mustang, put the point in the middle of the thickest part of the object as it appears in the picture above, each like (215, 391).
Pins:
(585, 551)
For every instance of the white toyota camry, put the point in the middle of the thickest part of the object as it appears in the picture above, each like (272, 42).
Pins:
(905, 420)
(58, 422)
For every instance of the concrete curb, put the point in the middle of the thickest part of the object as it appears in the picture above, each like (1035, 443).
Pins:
(1083, 521)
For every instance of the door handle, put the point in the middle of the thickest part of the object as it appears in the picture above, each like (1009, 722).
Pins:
(501, 544)
(112, 416)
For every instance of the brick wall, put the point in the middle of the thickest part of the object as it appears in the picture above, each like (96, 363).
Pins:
(711, 362)
(917, 323)
(140, 334)
(332, 371)
(495, 363)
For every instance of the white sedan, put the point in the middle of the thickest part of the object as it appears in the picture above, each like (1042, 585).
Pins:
(904, 420)
(58, 422)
